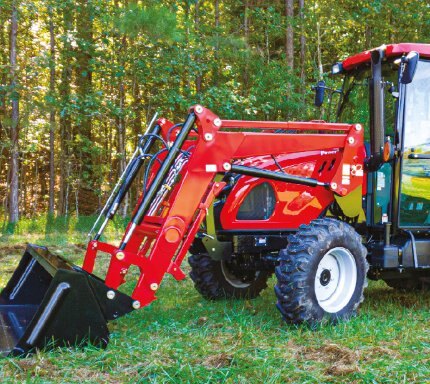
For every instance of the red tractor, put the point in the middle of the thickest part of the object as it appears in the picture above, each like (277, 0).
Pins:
(323, 205)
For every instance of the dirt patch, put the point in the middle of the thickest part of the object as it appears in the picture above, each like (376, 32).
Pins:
(341, 369)
(9, 250)
(218, 361)
(380, 352)
(32, 367)
(202, 321)
(86, 374)
(340, 360)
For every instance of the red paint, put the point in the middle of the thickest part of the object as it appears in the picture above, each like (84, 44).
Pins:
(392, 50)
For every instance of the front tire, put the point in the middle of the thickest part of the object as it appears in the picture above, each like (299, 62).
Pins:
(214, 279)
(322, 273)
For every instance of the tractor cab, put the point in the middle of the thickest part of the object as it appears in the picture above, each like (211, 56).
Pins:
(387, 90)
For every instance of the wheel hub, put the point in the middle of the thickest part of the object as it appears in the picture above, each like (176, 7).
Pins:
(325, 277)
(336, 279)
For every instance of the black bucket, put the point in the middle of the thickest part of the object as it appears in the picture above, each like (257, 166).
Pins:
(49, 302)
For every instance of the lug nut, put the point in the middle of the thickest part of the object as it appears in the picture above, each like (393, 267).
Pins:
(217, 122)
(198, 109)
(208, 136)
(333, 186)
(351, 140)
(358, 127)
(120, 255)
(110, 295)
(154, 286)
(136, 304)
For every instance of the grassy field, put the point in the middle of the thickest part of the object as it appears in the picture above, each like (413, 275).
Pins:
(183, 338)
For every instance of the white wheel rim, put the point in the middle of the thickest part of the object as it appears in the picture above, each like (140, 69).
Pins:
(336, 279)
(231, 278)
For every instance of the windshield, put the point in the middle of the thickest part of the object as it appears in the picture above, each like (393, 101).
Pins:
(353, 105)
(417, 113)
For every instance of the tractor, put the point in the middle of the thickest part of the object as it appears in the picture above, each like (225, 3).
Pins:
(323, 205)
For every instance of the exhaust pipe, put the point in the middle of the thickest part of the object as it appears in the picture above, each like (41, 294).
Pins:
(49, 302)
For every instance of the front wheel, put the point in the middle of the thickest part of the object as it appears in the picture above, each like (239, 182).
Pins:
(322, 273)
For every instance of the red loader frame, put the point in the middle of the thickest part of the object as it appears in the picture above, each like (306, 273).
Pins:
(170, 212)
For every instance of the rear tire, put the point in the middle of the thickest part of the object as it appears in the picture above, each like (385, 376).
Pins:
(322, 273)
(215, 280)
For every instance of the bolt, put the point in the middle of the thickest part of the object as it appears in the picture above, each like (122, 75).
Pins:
(136, 304)
(110, 295)
(217, 122)
(351, 140)
(154, 286)
(120, 255)
(208, 136)
(95, 245)
(198, 109)
(333, 186)
(226, 166)
(358, 127)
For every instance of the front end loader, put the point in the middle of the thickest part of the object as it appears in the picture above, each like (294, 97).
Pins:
(245, 199)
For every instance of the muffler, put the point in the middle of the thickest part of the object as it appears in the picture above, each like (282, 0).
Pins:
(49, 302)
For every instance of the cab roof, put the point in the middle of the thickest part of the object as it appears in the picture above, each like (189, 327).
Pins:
(392, 50)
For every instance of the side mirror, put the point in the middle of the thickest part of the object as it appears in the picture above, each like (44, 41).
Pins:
(409, 67)
(319, 93)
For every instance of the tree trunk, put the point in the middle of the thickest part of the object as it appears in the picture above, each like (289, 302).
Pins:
(289, 36)
(320, 66)
(302, 41)
(51, 113)
(246, 32)
(3, 74)
(198, 78)
(14, 130)
(121, 125)
(368, 36)
(187, 45)
(216, 54)
(65, 118)
(86, 178)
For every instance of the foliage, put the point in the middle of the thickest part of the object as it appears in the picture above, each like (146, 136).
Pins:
(115, 63)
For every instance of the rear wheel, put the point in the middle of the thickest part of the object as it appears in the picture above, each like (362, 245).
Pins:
(322, 273)
(217, 279)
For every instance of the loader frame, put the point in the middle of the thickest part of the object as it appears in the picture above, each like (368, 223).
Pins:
(158, 242)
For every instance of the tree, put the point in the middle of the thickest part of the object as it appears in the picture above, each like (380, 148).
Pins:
(289, 36)
(14, 128)
(52, 112)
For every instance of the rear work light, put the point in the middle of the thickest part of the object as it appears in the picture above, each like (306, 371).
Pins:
(336, 68)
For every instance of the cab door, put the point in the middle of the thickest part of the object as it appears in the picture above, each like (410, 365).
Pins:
(414, 201)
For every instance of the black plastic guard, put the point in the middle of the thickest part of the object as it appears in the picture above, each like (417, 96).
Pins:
(49, 302)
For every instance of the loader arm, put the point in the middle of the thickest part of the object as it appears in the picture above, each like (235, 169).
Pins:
(158, 242)
(49, 301)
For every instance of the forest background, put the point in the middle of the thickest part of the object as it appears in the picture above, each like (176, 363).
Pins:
(80, 79)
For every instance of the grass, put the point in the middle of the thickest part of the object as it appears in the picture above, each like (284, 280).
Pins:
(183, 338)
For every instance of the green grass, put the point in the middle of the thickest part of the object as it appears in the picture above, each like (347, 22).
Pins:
(183, 338)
